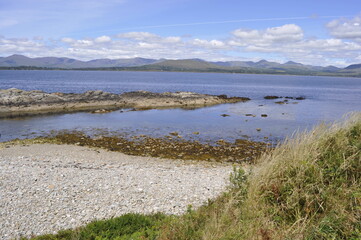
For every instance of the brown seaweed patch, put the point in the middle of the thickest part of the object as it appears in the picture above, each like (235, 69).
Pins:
(240, 151)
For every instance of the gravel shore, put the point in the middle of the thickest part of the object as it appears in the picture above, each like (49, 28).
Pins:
(45, 188)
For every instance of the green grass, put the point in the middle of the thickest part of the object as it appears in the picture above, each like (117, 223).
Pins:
(307, 188)
(128, 226)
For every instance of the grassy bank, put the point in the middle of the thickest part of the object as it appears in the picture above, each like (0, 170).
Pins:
(307, 188)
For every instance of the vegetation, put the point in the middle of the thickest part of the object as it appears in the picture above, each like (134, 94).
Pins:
(307, 188)
(128, 226)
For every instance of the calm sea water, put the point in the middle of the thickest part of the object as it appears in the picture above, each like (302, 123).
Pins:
(327, 99)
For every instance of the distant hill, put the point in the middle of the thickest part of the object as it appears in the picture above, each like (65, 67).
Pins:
(183, 65)
(55, 62)
(286, 67)
(353, 66)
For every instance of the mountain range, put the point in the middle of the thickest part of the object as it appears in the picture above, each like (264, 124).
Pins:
(186, 65)
(61, 62)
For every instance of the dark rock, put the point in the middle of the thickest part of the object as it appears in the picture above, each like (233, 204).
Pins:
(300, 98)
(223, 96)
(272, 97)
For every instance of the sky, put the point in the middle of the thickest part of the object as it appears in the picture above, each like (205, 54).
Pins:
(316, 32)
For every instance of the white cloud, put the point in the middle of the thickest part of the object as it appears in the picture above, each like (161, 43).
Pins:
(288, 41)
(246, 34)
(208, 44)
(20, 46)
(148, 45)
(288, 32)
(67, 40)
(345, 28)
(285, 33)
(83, 43)
(102, 39)
(172, 39)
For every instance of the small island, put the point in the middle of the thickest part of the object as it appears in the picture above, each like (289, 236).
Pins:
(15, 102)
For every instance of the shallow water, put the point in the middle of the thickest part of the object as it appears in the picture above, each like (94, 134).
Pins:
(327, 99)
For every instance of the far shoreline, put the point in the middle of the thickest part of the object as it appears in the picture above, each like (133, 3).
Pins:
(30, 68)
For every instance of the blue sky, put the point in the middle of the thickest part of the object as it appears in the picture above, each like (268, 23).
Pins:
(312, 32)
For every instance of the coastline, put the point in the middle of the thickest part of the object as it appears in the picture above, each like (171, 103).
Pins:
(16, 102)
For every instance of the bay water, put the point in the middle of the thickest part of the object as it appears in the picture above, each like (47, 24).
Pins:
(326, 99)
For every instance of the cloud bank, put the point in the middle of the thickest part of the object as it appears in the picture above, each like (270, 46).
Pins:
(286, 42)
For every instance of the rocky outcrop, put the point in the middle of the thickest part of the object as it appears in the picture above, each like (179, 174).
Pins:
(16, 102)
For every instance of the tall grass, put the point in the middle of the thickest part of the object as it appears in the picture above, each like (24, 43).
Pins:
(307, 188)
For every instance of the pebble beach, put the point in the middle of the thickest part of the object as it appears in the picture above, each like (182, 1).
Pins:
(46, 187)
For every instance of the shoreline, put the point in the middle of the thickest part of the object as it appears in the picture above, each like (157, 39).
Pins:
(17, 103)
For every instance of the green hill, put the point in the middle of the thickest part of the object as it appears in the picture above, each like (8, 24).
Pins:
(184, 65)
